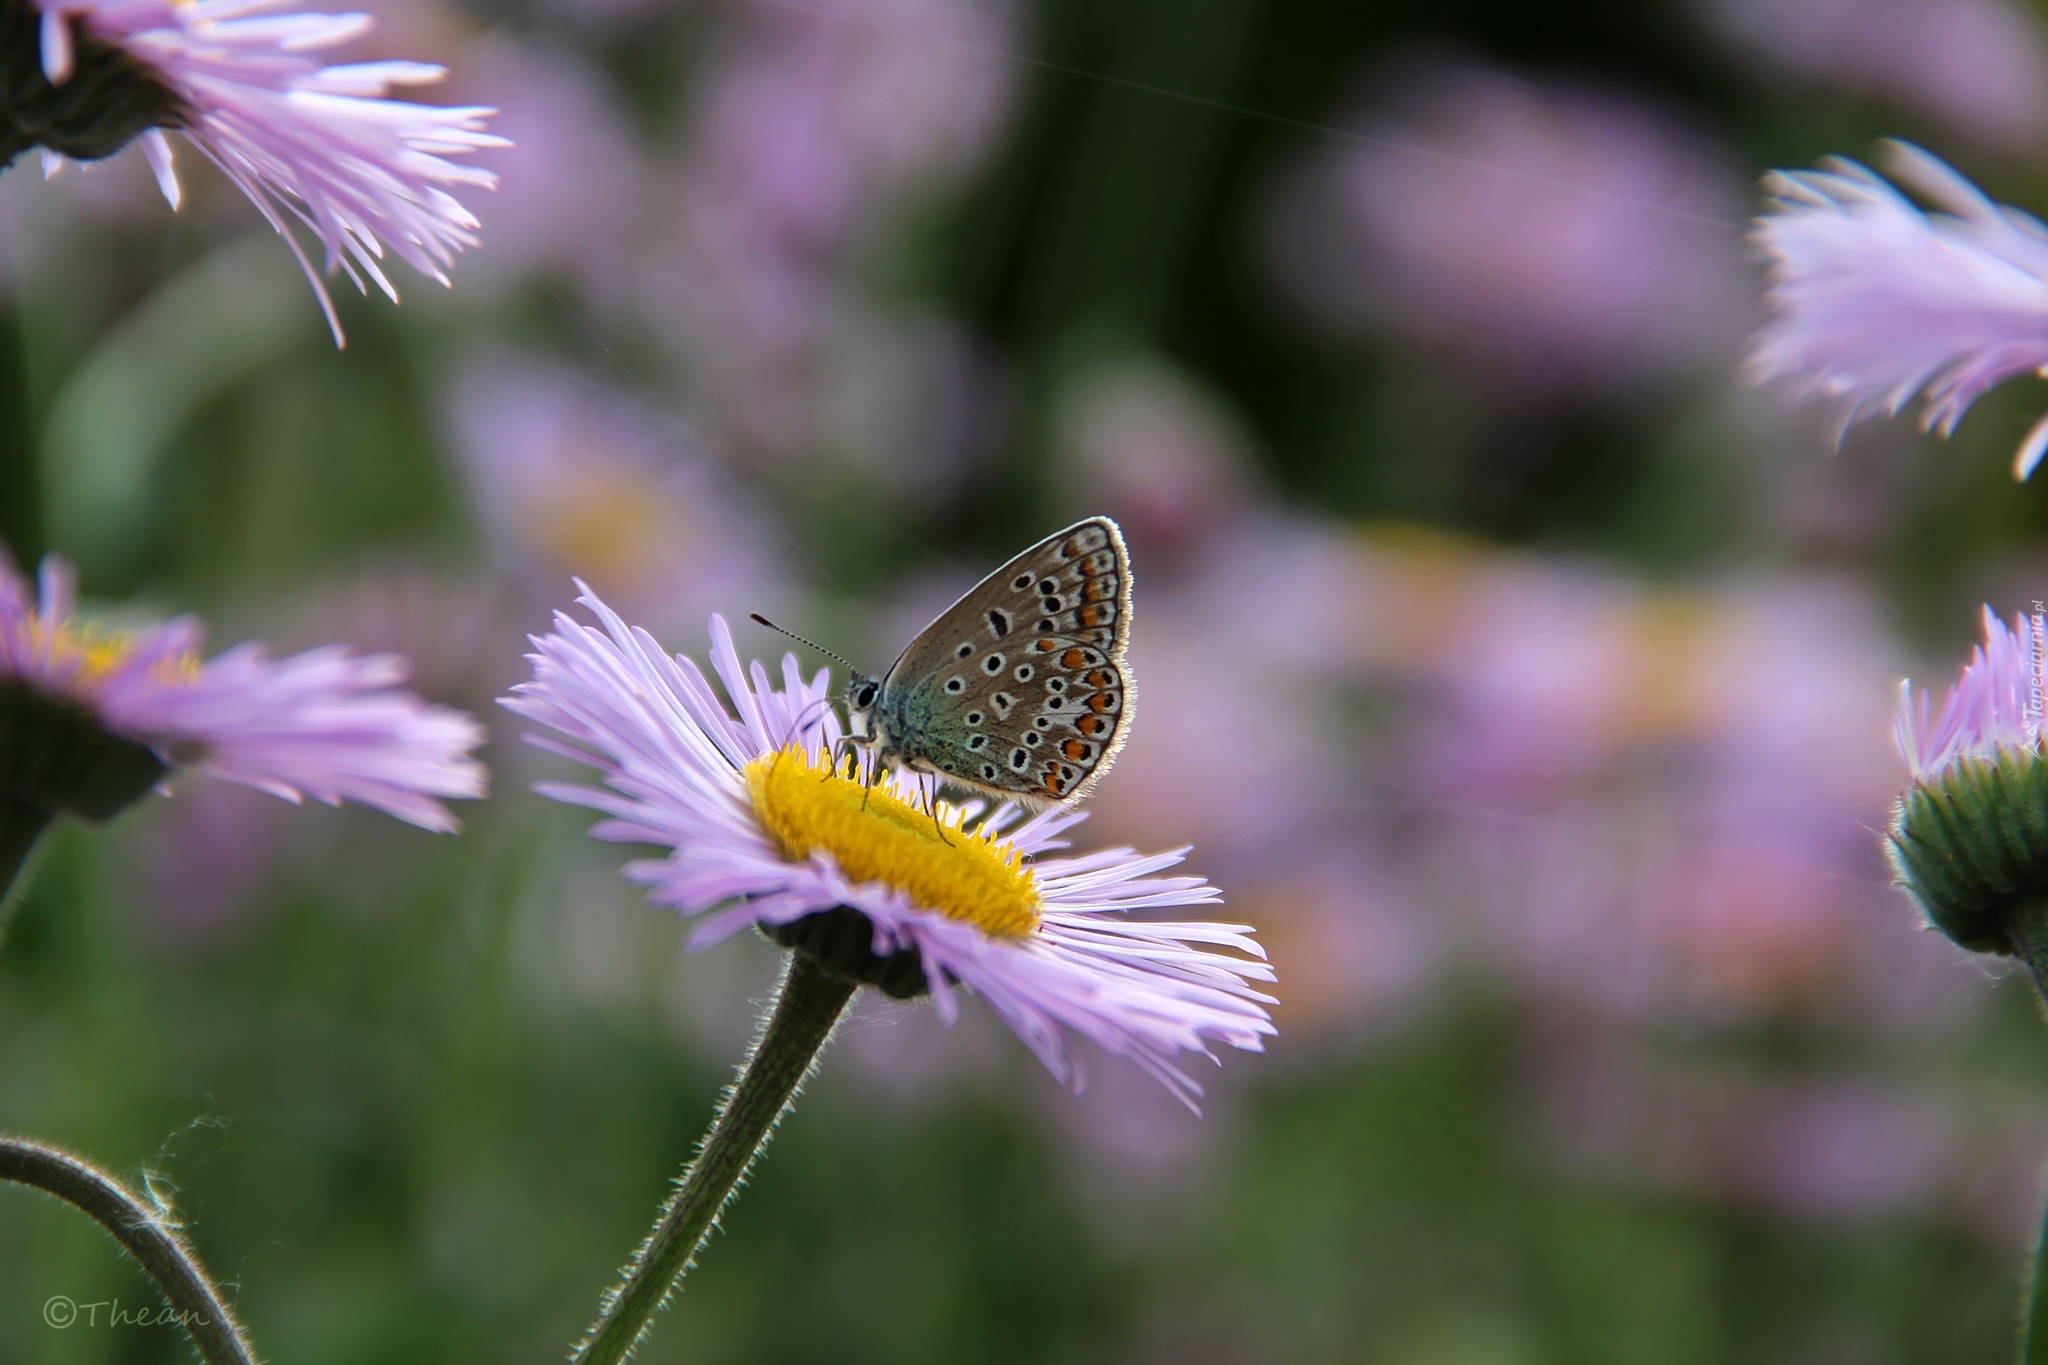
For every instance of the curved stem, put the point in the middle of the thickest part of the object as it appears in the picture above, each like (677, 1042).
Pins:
(808, 1006)
(145, 1231)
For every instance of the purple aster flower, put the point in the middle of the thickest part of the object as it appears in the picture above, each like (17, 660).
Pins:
(764, 832)
(323, 144)
(1568, 239)
(1875, 300)
(1993, 709)
(1969, 840)
(325, 724)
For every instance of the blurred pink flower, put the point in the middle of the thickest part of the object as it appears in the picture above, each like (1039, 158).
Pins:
(570, 176)
(324, 723)
(575, 479)
(1572, 239)
(323, 144)
(1837, 1149)
(815, 129)
(1875, 302)
(1979, 67)
(198, 866)
(1994, 708)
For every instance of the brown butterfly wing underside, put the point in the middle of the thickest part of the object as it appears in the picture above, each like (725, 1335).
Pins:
(1020, 689)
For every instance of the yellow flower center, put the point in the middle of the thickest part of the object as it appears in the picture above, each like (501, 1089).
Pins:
(875, 836)
(98, 652)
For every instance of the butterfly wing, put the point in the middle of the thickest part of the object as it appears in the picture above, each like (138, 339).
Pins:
(1020, 688)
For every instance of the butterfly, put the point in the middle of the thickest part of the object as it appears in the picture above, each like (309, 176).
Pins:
(1019, 689)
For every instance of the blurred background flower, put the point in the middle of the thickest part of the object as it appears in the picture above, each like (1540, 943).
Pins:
(1520, 675)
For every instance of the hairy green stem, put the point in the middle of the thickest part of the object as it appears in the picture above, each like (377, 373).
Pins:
(786, 1049)
(146, 1232)
(2027, 928)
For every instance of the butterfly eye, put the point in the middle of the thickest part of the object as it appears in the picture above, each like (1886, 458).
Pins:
(864, 695)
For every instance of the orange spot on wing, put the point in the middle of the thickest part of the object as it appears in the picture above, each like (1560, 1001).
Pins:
(1074, 658)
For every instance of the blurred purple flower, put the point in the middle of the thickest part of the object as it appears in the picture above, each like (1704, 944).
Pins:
(1875, 301)
(570, 175)
(1978, 66)
(323, 144)
(680, 771)
(1571, 239)
(201, 863)
(1831, 1150)
(816, 127)
(576, 479)
(1994, 708)
(324, 723)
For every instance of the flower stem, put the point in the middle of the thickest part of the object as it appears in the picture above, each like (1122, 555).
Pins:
(148, 1234)
(21, 826)
(810, 1003)
(2027, 928)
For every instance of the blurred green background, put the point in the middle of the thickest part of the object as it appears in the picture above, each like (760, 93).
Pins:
(1519, 673)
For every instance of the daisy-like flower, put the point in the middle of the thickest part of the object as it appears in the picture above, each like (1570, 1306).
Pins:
(323, 144)
(1970, 837)
(870, 875)
(89, 720)
(1875, 300)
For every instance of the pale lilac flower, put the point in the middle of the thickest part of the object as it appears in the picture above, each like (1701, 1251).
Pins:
(814, 129)
(681, 771)
(323, 144)
(573, 476)
(1993, 709)
(1980, 67)
(1876, 301)
(324, 724)
(1566, 238)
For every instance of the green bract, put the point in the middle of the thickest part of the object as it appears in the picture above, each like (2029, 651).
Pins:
(1971, 845)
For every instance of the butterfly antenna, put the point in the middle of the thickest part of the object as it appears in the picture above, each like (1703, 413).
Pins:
(759, 619)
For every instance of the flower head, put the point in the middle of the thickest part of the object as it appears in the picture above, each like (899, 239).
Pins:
(90, 720)
(871, 874)
(323, 144)
(1875, 301)
(1970, 840)
(1568, 239)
